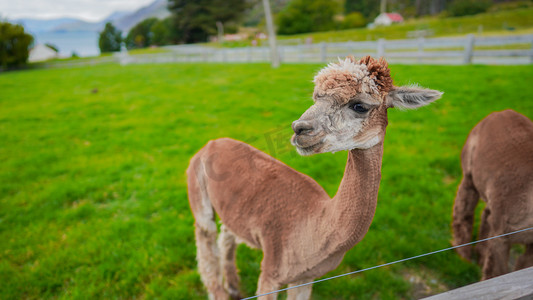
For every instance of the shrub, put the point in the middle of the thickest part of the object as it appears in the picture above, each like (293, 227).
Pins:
(353, 20)
(468, 7)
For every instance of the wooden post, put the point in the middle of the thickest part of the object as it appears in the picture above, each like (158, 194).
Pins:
(513, 286)
(421, 41)
(531, 53)
(469, 49)
(381, 48)
(323, 52)
(205, 55)
(274, 57)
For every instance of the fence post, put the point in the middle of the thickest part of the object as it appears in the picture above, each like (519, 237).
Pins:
(323, 52)
(469, 49)
(421, 41)
(531, 53)
(381, 48)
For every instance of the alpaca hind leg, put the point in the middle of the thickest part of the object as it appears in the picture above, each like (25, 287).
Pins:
(228, 247)
(484, 232)
(463, 215)
(209, 263)
(496, 258)
(526, 259)
(207, 252)
(300, 293)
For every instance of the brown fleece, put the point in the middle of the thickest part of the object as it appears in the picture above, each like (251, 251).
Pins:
(497, 163)
(343, 85)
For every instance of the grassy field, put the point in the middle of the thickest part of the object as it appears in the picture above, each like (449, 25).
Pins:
(519, 21)
(516, 21)
(93, 199)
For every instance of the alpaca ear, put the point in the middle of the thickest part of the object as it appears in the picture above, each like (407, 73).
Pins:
(409, 97)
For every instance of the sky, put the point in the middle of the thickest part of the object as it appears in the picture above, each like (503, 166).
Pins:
(89, 10)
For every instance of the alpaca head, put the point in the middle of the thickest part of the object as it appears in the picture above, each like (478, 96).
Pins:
(351, 99)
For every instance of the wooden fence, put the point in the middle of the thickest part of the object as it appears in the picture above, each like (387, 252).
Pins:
(512, 286)
(506, 50)
(515, 49)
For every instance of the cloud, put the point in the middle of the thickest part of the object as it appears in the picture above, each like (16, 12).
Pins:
(91, 10)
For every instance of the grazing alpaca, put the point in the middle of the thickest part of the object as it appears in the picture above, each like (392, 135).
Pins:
(497, 162)
(262, 202)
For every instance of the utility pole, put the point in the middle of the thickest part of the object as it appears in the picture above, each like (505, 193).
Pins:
(220, 32)
(274, 57)
(383, 7)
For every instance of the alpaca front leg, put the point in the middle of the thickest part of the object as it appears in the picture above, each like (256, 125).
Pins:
(300, 293)
(266, 285)
(496, 258)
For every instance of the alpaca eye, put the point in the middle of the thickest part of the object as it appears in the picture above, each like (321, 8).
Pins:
(358, 107)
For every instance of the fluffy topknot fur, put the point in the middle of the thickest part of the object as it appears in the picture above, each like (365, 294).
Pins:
(379, 71)
(348, 77)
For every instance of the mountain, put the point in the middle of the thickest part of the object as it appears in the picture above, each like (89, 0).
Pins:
(78, 25)
(39, 25)
(157, 9)
(116, 15)
(122, 20)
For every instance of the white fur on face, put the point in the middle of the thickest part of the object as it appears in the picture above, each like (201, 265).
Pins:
(340, 128)
(344, 132)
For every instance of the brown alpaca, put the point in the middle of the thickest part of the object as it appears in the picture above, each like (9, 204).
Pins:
(262, 202)
(497, 162)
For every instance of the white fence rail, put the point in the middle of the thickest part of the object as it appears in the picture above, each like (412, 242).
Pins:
(507, 50)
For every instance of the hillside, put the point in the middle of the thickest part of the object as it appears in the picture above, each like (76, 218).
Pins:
(519, 20)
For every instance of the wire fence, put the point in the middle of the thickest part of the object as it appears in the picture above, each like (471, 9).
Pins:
(390, 263)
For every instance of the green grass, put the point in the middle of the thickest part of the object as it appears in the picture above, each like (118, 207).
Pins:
(93, 199)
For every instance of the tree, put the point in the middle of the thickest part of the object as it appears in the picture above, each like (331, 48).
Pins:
(468, 7)
(110, 39)
(140, 36)
(369, 8)
(14, 45)
(302, 16)
(162, 32)
(195, 20)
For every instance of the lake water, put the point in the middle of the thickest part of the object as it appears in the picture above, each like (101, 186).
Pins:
(84, 43)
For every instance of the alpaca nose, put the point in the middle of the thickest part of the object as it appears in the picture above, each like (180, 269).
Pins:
(302, 127)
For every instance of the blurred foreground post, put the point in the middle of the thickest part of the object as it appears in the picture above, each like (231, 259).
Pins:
(274, 57)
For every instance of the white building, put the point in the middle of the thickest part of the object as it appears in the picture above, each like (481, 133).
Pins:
(387, 19)
(42, 52)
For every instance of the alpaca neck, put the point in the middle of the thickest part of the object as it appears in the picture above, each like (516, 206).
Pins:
(355, 203)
